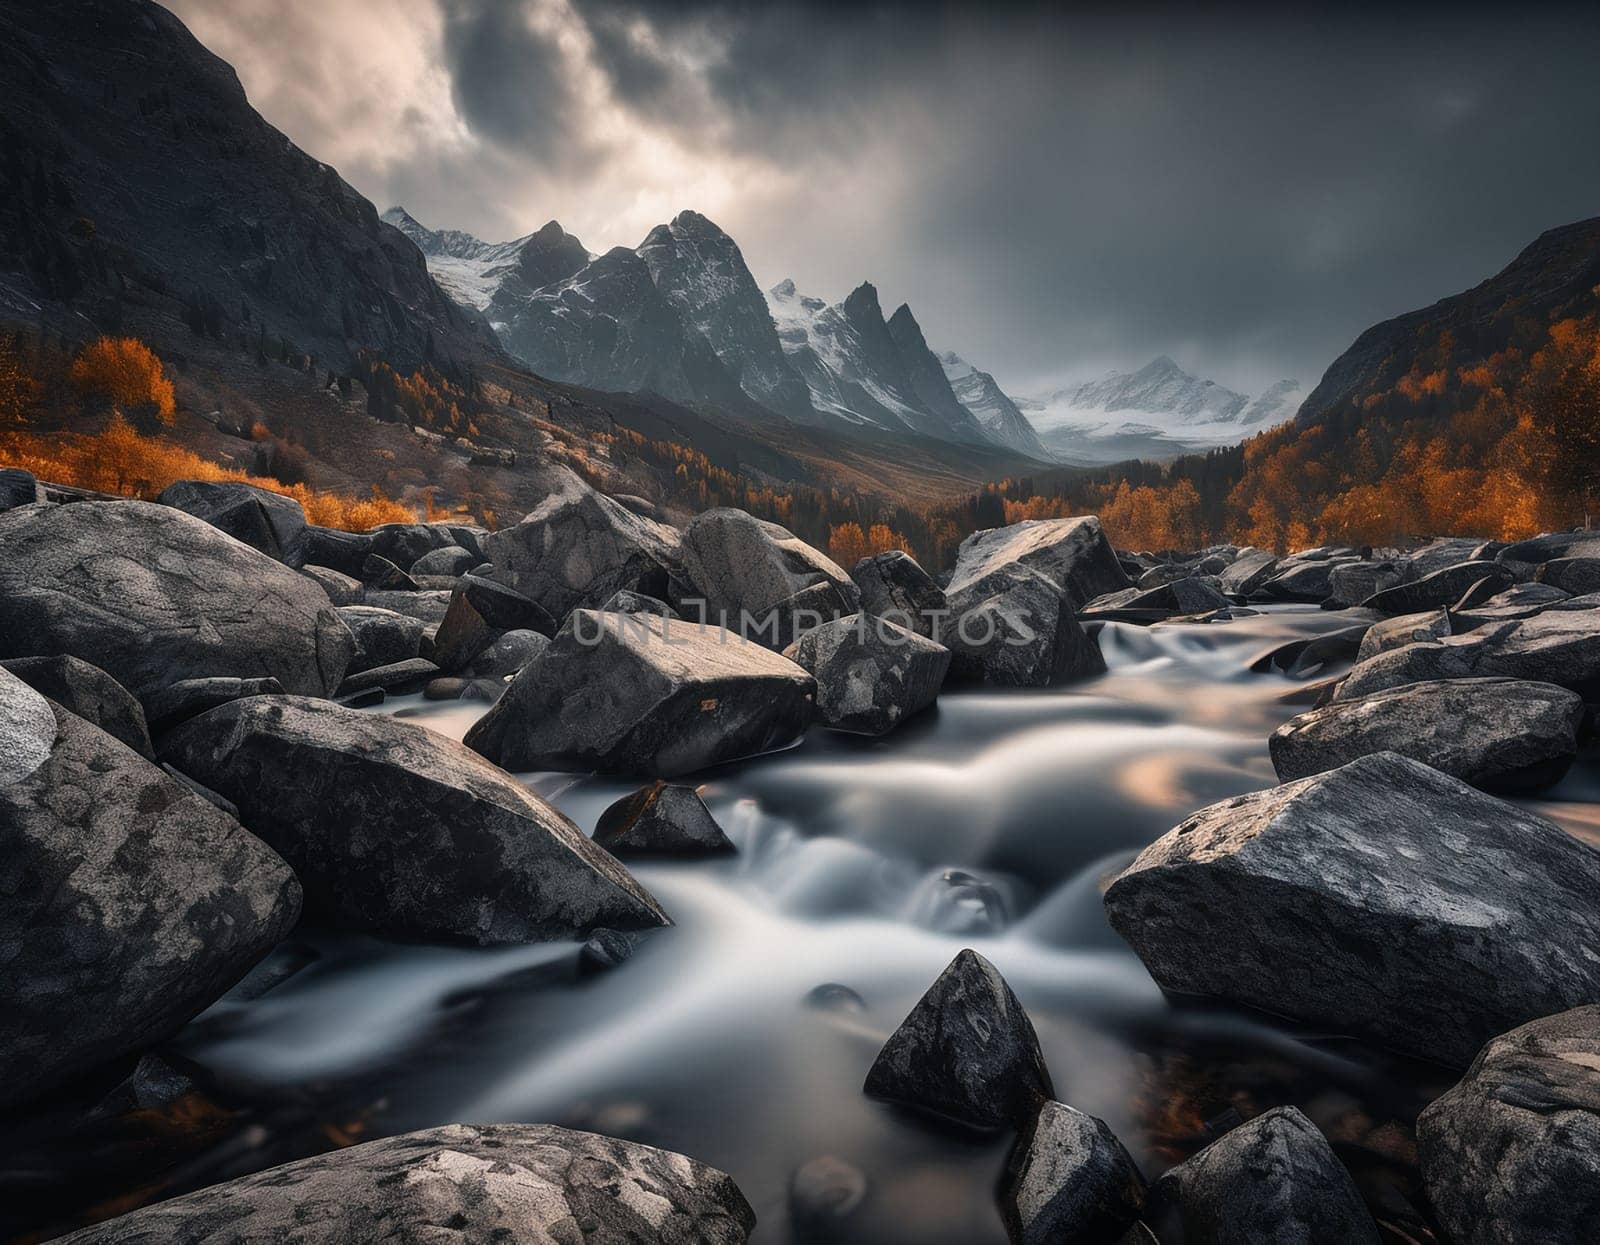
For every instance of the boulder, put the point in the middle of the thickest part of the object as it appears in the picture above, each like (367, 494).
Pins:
(1248, 572)
(1072, 553)
(428, 606)
(577, 547)
(1351, 583)
(1382, 899)
(382, 636)
(1070, 1180)
(449, 560)
(1438, 589)
(270, 522)
(894, 586)
(1309, 579)
(625, 602)
(342, 589)
(1524, 556)
(1503, 735)
(130, 904)
(345, 552)
(1575, 576)
(967, 1053)
(637, 694)
(871, 674)
(152, 595)
(89, 692)
(18, 488)
(405, 543)
(1512, 1154)
(396, 829)
(661, 820)
(480, 612)
(755, 577)
(1302, 657)
(1438, 554)
(490, 1184)
(1192, 594)
(1272, 1181)
(399, 678)
(1016, 628)
(382, 575)
(486, 690)
(507, 655)
(1559, 646)
(189, 698)
(1401, 630)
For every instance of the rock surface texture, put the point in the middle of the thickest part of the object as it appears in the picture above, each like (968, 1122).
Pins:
(663, 819)
(871, 674)
(1069, 1179)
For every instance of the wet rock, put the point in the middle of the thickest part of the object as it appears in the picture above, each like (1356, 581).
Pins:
(342, 589)
(833, 997)
(577, 547)
(637, 694)
(966, 1053)
(399, 678)
(1272, 1181)
(1016, 628)
(1382, 899)
(156, 1082)
(1351, 583)
(605, 950)
(345, 552)
(1192, 594)
(480, 612)
(1502, 735)
(189, 698)
(823, 1193)
(508, 654)
(427, 606)
(478, 1184)
(368, 699)
(382, 575)
(756, 576)
(486, 690)
(954, 901)
(1072, 553)
(871, 674)
(894, 586)
(89, 692)
(1248, 572)
(1299, 658)
(450, 560)
(395, 829)
(152, 595)
(1440, 588)
(270, 522)
(130, 903)
(1070, 1180)
(625, 602)
(1512, 1153)
(1401, 630)
(382, 636)
(663, 819)
(18, 488)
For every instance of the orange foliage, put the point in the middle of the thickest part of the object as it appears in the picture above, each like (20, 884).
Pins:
(124, 372)
(848, 544)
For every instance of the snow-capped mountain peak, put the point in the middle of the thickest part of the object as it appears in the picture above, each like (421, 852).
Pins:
(998, 414)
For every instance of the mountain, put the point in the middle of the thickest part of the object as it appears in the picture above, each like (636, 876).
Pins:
(1275, 404)
(947, 418)
(1001, 420)
(139, 180)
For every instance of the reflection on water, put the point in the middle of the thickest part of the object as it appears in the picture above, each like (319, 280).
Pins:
(741, 1035)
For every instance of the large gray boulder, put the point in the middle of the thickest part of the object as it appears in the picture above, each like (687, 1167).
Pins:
(1272, 1181)
(578, 546)
(1439, 588)
(396, 829)
(270, 522)
(1072, 553)
(382, 636)
(492, 1184)
(18, 488)
(1304, 577)
(152, 595)
(480, 612)
(894, 586)
(449, 560)
(1559, 646)
(1503, 735)
(1070, 1180)
(130, 904)
(342, 589)
(663, 819)
(1382, 899)
(641, 694)
(871, 674)
(1443, 552)
(89, 692)
(1574, 576)
(1016, 627)
(1351, 583)
(966, 1053)
(1524, 556)
(1248, 571)
(755, 577)
(1403, 629)
(1192, 594)
(345, 552)
(178, 702)
(407, 543)
(1512, 1154)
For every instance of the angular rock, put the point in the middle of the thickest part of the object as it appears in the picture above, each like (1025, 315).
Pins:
(1072, 553)
(342, 589)
(450, 560)
(152, 595)
(1248, 572)
(18, 488)
(1574, 576)
(661, 820)
(1512, 1153)
(89, 692)
(480, 612)
(1192, 594)
(1525, 555)
(382, 575)
(382, 636)
(1439, 554)
(1299, 658)
(626, 602)
(130, 903)
(871, 674)
(1272, 1181)
(270, 522)
(1501, 735)
(1308, 580)
(178, 702)
(475, 1185)
(399, 678)
(637, 694)
(1016, 628)
(1438, 589)
(967, 1052)
(894, 586)
(345, 552)
(1382, 899)
(487, 690)
(404, 543)
(395, 829)
(755, 575)
(577, 547)
(507, 655)
(1070, 1180)
(428, 606)
(1351, 583)
(1401, 630)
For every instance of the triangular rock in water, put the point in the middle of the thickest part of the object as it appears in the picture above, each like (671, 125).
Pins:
(967, 1052)
(1070, 1179)
(663, 819)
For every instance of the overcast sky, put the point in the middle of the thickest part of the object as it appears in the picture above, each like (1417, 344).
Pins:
(1056, 192)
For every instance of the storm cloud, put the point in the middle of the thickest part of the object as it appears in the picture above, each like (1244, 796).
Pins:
(1055, 191)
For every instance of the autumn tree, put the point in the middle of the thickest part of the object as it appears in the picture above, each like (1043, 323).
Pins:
(123, 371)
(17, 388)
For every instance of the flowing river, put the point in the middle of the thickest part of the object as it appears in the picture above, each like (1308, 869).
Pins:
(741, 1035)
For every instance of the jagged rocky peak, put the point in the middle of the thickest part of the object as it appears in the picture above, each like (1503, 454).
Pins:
(452, 242)
(999, 416)
(862, 303)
